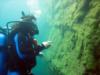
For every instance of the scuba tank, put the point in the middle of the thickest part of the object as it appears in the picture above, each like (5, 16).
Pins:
(3, 52)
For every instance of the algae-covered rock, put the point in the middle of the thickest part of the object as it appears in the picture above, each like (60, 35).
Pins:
(76, 37)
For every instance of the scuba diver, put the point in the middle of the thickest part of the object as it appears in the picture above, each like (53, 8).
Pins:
(22, 47)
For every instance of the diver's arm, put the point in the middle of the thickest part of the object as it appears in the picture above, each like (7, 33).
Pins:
(39, 48)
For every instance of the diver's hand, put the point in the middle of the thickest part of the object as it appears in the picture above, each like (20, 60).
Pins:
(47, 44)
(41, 54)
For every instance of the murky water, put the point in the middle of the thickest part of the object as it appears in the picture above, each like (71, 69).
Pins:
(42, 67)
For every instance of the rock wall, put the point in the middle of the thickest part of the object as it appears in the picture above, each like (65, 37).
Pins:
(76, 37)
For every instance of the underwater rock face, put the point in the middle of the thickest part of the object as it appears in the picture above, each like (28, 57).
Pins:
(76, 37)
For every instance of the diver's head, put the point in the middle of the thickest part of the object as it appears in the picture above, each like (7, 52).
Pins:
(31, 22)
(27, 25)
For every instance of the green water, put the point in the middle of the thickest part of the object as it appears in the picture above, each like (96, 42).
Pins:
(42, 67)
